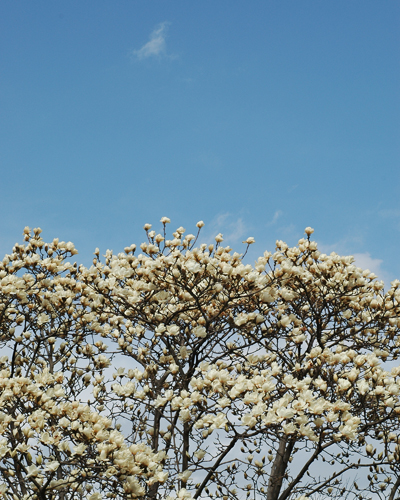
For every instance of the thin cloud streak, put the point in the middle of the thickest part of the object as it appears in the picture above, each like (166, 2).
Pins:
(275, 218)
(233, 230)
(156, 46)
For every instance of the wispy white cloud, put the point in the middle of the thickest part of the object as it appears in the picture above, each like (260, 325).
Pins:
(389, 213)
(210, 161)
(219, 221)
(276, 216)
(156, 46)
(237, 230)
(392, 216)
(233, 230)
(365, 261)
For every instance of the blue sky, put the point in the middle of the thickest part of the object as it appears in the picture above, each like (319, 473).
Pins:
(258, 117)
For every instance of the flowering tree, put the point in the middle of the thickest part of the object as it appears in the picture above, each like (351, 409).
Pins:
(184, 373)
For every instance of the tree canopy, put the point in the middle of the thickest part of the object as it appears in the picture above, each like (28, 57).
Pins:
(179, 371)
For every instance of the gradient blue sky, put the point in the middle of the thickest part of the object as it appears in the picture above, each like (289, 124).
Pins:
(258, 117)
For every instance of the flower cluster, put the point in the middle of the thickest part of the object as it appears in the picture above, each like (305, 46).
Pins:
(169, 372)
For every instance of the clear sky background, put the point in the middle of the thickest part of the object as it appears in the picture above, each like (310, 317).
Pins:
(259, 117)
